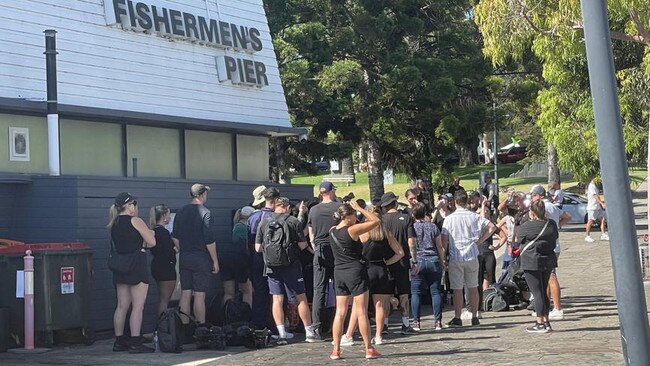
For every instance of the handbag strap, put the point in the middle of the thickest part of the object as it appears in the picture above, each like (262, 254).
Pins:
(534, 240)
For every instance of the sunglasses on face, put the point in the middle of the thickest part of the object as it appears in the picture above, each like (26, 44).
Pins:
(134, 203)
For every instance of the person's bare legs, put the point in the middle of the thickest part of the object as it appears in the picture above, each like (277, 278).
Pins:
(473, 300)
(165, 291)
(277, 310)
(381, 303)
(588, 226)
(303, 310)
(246, 289)
(603, 225)
(554, 291)
(339, 320)
(360, 304)
(138, 297)
(199, 307)
(228, 290)
(458, 302)
(404, 305)
(123, 303)
(184, 303)
(352, 325)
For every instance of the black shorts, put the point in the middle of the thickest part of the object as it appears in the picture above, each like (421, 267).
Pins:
(351, 280)
(487, 265)
(162, 270)
(234, 269)
(401, 278)
(195, 271)
(380, 281)
(140, 274)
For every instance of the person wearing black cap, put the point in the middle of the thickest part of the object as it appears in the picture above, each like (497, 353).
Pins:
(319, 223)
(401, 226)
(260, 316)
(130, 234)
(198, 252)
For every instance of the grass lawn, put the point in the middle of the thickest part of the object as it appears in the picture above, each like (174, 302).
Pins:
(469, 180)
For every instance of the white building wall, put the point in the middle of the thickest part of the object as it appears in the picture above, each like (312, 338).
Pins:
(107, 67)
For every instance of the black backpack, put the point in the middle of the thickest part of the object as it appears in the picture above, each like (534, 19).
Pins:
(239, 334)
(170, 332)
(235, 310)
(277, 242)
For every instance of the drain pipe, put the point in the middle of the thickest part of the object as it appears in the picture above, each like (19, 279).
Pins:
(53, 153)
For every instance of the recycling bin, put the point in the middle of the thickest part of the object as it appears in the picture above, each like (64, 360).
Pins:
(62, 284)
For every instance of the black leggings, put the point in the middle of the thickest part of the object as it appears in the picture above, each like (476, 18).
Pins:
(487, 265)
(538, 284)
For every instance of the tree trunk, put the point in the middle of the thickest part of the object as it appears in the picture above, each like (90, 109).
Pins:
(553, 170)
(281, 145)
(347, 167)
(375, 171)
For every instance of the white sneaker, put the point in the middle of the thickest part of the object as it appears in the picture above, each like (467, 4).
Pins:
(556, 315)
(533, 314)
(604, 237)
(289, 336)
(466, 315)
(378, 340)
(589, 239)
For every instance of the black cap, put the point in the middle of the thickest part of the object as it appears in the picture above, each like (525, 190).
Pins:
(123, 198)
(388, 198)
(283, 201)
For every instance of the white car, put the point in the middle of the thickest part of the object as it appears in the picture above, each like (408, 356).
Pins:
(576, 206)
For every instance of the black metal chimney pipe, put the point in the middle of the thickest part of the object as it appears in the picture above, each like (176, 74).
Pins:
(54, 160)
(50, 68)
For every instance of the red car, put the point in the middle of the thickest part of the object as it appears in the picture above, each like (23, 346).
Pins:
(512, 154)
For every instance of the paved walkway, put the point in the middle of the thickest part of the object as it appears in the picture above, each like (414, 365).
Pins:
(589, 334)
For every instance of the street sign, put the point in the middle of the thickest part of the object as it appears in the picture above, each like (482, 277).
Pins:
(67, 280)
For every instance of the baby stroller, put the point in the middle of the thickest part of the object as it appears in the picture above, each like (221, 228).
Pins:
(507, 291)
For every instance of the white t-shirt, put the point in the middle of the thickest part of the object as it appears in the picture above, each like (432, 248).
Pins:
(592, 202)
(558, 197)
(553, 212)
(463, 228)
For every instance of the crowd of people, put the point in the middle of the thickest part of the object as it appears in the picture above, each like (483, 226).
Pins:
(336, 252)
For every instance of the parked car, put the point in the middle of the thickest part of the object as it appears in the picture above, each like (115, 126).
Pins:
(576, 206)
(322, 165)
(511, 154)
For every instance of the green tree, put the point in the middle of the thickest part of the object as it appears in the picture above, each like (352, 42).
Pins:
(405, 78)
(552, 30)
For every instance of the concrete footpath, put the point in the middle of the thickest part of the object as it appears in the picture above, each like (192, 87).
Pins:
(588, 335)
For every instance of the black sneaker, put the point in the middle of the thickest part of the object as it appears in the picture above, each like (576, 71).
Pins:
(537, 328)
(281, 341)
(455, 322)
(408, 330)
(136, 346)
(547, 325)
(121, 344)
(475, 321)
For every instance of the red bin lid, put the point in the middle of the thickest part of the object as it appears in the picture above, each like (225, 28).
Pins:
(41, 247)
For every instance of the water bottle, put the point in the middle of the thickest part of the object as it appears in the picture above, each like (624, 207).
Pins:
(155, 340)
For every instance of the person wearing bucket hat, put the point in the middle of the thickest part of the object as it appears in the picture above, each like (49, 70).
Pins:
(198, 260)
(130, 234)
(258, 196)
(401, 226)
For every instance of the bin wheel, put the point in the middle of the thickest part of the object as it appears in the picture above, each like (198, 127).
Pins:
(88, 336)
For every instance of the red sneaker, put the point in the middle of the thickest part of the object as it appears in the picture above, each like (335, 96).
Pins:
(372, 353)
(336, 355)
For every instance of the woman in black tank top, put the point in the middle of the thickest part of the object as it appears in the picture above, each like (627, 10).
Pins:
(350, 273)
(130, 234)
(163, 265)
(380, 249)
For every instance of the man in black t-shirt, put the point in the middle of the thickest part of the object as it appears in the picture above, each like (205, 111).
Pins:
(319, 223)
(198, 251)
(455, 186)
(401, 226)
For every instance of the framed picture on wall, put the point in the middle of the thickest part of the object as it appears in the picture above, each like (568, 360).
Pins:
(18, 144)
